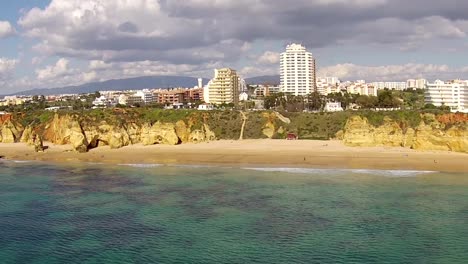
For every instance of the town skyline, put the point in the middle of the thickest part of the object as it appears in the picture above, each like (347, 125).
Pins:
(47, 44)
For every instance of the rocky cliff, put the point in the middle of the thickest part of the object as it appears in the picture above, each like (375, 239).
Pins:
(84, 134)
(121, 128)
(430, 134)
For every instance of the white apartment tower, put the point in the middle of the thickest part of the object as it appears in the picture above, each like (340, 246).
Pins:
(297, 70)
(452, 94)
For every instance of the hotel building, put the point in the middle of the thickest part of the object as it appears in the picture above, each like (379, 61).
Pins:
(297, 70)
(453, 94)
(223, 88)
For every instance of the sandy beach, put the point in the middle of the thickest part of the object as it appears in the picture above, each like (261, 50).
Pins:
(268, 153)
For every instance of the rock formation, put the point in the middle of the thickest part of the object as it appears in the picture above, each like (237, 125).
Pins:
(159, 133)
(429, 135)
(83, 132)
(10, 132)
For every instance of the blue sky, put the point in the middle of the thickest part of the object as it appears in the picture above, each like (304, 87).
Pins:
(68, 42)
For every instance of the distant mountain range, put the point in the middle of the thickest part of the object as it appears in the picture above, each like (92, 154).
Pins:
(267, 79)
(138, 83)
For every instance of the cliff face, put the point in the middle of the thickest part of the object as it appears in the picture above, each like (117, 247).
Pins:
(118, 129)
(430, 134)
(84, 134)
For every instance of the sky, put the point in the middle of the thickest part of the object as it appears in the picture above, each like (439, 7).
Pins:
(54, 43)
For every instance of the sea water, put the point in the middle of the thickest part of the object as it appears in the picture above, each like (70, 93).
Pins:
(130, 213)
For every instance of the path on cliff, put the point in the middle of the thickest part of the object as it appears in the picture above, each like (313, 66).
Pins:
(283, 118)
(244, 120)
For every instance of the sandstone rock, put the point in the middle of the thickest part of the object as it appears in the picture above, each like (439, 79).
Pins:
(119, 139)
(269, 129)
(429, 135)
(27, 135)
(159, 133)
(182, 131)
(280, 130)
(339, 135)
(37, 142)
(432, 137)
(197, 136)
(10, 132)
(389, 134)
(134, 133)
(209, 135)
(358, 132)
(57, 131)
(78, 140)
(408, 138)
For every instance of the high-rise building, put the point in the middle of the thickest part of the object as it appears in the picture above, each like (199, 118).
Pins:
(297, 70)
(452, 94)
(223, 88)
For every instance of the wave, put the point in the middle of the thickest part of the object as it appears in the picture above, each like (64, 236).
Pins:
(141, 165)
(16, 161)
(385, 173)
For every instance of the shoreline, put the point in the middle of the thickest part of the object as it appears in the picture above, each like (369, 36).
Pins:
(264, 153)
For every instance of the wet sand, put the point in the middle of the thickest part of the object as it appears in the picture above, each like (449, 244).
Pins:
(263, 152)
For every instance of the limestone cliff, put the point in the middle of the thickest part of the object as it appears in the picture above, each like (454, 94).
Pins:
(159, 133)
(10, 132)
(83, 134)
(117, 129)
(430, 134)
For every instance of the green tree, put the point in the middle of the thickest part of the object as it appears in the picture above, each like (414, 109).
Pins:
(315, 101)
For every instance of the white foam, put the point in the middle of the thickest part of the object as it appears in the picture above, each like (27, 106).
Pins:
(385, 173)
(17, 161)
(141, 165)
(193, 166)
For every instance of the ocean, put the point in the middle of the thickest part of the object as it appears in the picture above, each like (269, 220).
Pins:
(131, 213)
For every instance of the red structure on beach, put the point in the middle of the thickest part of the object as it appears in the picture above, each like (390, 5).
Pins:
(291, 136)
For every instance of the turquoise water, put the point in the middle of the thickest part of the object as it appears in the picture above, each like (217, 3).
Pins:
(161, 214)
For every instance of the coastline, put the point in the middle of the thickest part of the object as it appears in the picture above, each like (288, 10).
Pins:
(252, 153)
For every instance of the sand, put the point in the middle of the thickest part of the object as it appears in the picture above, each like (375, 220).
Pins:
(263, 152)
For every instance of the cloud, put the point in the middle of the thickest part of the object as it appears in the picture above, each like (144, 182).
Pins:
(122, 39)
(54, 71)
(202, 31)
(6, 29)
(393, 72)
(7, 67)
(269, 57)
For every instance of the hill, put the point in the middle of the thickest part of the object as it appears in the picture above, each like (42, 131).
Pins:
(138, 83)
(267, 79)
(146, 82)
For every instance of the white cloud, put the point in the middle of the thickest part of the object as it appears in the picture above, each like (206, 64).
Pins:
(54, 71)
(123, 38)
(392, 72)
(6, 29)
(200, 31)
(7, 66)
(269, 57)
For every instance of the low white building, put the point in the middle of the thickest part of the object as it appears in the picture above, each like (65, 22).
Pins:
(452, 94)
(333, 107)
(243, 96)
(146, 96)
(391, 85)
(206, 107)
(101, 101)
